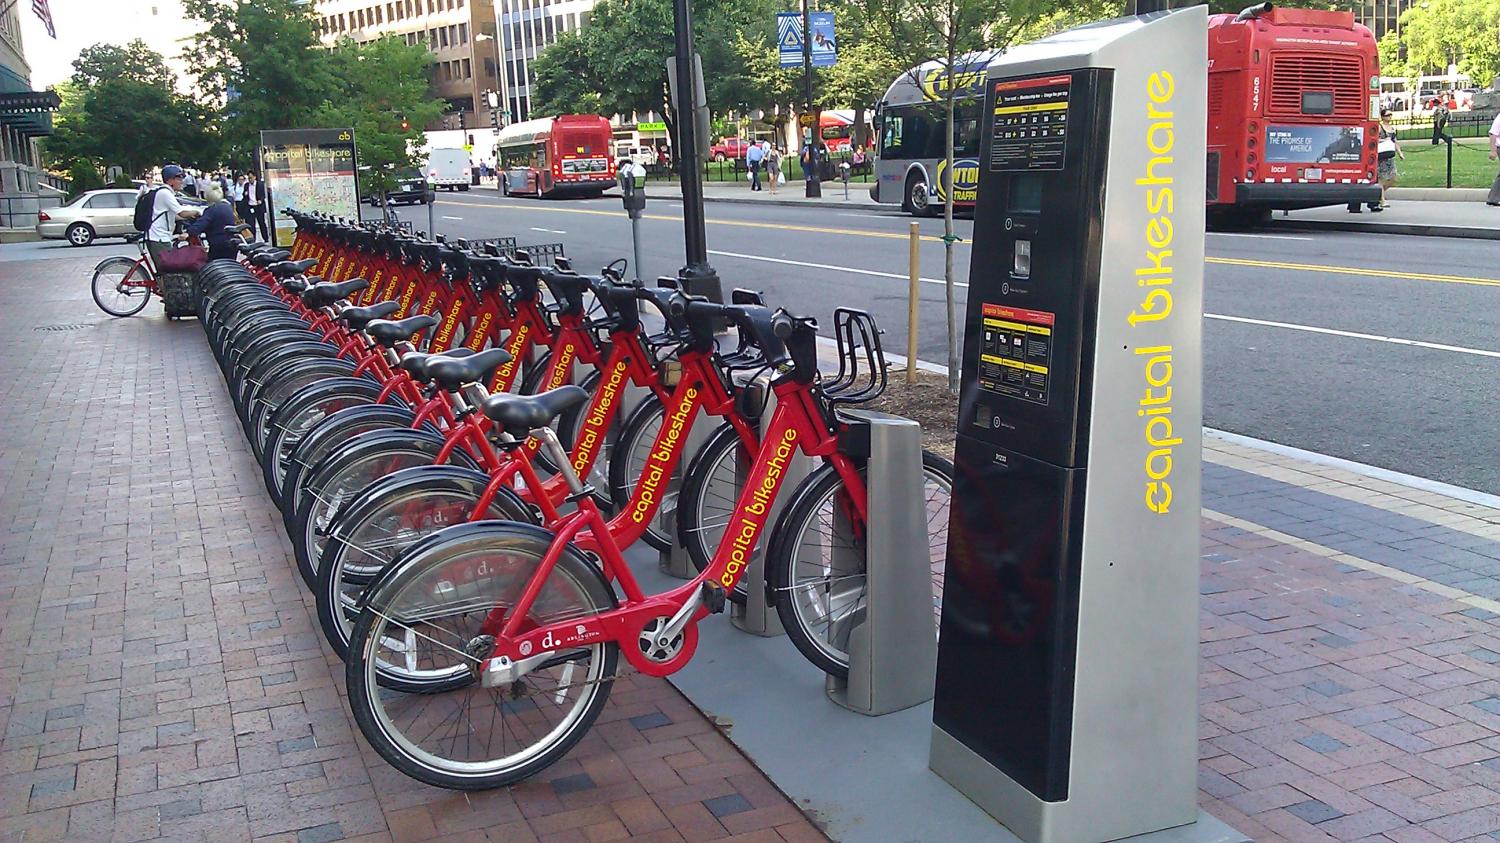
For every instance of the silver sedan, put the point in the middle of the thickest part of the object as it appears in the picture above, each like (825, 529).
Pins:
(96, 213)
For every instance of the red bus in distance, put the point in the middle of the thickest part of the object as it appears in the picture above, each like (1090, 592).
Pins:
(1293, 112)
(566, 154)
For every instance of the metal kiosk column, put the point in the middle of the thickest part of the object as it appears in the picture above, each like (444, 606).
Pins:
(1066, 698)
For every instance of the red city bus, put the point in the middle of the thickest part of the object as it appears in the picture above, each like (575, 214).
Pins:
(569, 153)
(1293, 111)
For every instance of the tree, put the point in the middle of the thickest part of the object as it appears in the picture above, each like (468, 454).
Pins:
(264, 56)
(121, 107)
(566, 82)
(377, 84)
(950, 32)
(1465, 33)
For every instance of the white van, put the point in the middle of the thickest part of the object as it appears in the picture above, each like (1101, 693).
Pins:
(449, 168)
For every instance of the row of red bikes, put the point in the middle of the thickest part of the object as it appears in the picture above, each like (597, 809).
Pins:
(465, 444)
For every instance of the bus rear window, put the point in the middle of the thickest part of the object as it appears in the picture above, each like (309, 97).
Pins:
(582, 142)
(1317, 102)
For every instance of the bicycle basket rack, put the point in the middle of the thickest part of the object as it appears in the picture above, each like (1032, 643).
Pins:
(861, 376)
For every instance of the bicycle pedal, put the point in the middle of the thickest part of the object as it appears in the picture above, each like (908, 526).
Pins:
(713, 598)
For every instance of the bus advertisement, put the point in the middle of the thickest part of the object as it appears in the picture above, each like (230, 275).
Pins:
(1293, 110)
(570, 153)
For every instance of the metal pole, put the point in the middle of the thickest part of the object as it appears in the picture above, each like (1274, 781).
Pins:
(698, 276)
(431, 201)
(635, 244)
(814, 187)
(913, 282)
(1450, 163)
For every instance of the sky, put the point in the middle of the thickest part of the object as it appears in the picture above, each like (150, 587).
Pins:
(83, 23)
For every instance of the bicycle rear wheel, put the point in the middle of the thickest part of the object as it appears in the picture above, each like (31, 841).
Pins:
(817, 560)
(426, 614)
(117, 287)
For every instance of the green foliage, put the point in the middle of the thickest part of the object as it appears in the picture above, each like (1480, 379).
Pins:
(121, 107)
(265, 52)
(565, 78)
(84, 176)
(377, 82)
(1437, 33)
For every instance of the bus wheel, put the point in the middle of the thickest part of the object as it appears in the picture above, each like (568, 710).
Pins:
(917, 201)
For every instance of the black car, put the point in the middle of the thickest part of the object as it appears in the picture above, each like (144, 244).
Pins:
(410, 187)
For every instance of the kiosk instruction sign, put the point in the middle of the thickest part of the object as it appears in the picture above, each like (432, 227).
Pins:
(309, 170)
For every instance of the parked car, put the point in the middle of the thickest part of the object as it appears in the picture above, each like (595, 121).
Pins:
(729, 148)
(411, 186)
(92, 214)
(449, 168)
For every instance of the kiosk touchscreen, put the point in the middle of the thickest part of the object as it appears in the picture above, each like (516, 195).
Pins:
(1066, 698)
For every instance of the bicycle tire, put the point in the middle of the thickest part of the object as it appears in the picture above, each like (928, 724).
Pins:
(787, 538)
(330, 433)
(299, 414)
(345, 567)
(282, 382)
(128, 269)
(574, 581)
(346, 471)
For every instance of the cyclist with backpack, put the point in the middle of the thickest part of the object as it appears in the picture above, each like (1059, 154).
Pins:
(157, 211)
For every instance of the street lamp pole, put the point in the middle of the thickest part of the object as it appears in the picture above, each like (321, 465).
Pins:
(697, 276)
(814, 187)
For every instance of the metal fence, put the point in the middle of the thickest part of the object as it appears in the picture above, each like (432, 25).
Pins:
(1460, 125)
(736, 170)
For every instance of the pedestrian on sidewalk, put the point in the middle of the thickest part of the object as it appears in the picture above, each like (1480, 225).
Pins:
(254, 208)
(1388, 149)
(166, 210)
(753, 157)
(210, 225)
(773, 168)
(1494, 197)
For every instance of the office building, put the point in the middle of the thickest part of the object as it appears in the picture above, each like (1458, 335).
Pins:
(459, 33)
(526, 28)
(25, 115)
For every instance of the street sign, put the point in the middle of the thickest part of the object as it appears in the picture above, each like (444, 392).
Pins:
(310, 170)
(789, 39)
(806, 119)
(649, 126)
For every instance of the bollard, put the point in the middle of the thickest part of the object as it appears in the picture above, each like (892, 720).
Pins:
(913, 297)
(893, 647)
(431, 203)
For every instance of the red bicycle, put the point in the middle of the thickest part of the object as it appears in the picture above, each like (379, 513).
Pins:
(122, 286)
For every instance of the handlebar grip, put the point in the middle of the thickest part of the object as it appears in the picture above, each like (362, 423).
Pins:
(781, 325)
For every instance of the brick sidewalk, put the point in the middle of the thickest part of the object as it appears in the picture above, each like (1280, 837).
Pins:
(161, 673)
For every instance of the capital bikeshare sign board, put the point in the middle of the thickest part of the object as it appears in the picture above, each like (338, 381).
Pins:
(308, 170)
(789, 39)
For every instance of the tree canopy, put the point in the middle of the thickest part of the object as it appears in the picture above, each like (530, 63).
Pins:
(1438, 33)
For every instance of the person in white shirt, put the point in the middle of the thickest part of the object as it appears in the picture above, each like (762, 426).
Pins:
(166, 211)
(1494, 197)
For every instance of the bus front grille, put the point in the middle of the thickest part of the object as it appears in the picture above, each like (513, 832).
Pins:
(1294, 75)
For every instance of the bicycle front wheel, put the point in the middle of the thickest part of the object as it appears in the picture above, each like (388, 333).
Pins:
(428, 614)
(120, 286)
(817, 558)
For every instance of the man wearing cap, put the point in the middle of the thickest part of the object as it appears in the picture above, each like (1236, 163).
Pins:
(166, 211)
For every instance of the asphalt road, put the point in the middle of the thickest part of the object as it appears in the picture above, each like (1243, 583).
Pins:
(1376, 348)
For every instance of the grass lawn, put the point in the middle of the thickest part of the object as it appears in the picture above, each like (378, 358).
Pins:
(1427, 165)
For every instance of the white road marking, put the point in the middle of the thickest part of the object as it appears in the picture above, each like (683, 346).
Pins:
(446, 217)
(1436, 346)
(867, 216)
(1247, 234)
(849, 270)
(831, 268)
(548, 230)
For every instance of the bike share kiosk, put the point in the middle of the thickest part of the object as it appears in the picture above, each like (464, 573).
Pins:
(1066, 698)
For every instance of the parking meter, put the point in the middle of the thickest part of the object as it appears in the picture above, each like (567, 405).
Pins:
(844, 169)
(1066, 694)
(632, 178)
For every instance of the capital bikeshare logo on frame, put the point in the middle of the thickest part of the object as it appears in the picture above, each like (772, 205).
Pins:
(659, 462)
(758, 508)
(594, 423)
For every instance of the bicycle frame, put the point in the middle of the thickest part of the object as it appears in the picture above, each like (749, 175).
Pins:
(797, 424)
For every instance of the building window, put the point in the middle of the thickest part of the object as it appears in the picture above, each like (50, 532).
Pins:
(468, 69)
(463, 33)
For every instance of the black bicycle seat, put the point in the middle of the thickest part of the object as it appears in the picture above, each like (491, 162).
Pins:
(266, 258)
(453, 372)
(322, 295)
(416, 362)
(521, 414)
(286, 269)
(389, 333)
(295, 286)
(358, 317)
(236, 228)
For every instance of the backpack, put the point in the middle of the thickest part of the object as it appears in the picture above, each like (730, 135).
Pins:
(145, 205)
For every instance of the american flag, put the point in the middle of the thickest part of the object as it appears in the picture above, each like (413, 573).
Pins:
(40, 7)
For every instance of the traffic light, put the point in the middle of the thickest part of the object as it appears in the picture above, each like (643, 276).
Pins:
(405, 126)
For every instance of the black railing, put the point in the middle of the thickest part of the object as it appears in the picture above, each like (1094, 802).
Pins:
(1460, 125)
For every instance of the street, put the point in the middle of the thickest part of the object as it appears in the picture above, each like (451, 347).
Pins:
(1375, 348)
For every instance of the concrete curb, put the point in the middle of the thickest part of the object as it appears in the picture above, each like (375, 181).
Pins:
(1438, 194)
(1412, 229)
